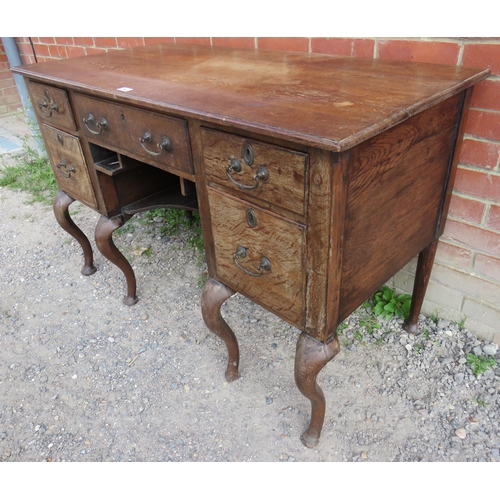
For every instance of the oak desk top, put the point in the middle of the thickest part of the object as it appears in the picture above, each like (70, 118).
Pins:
(332, 102)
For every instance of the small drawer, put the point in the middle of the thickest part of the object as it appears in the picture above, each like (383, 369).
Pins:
(52, 105)
(259, 255)
(68, 163)
(157, 139)
(256, 170)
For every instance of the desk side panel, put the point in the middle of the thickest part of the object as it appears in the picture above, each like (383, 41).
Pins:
(395, 188)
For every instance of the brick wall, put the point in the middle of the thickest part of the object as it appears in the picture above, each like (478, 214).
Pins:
(465, 282)
(10, 101)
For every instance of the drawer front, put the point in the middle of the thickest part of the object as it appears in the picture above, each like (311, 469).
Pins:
(68, 163)
(259, 255)
(52, 105)
(158, 139)
(256, 170)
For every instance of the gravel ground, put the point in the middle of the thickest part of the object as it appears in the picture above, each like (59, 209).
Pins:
(84, 378)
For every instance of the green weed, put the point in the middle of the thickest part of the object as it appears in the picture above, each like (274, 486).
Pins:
(480, 402)
(341, 327)
(388, 304)
(32, 173)
(480, 364)
(370, 324)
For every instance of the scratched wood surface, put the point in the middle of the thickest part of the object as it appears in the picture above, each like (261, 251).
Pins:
(68, 163)
(52, 105)
(396, 186)
(319, 100)
(285, 186)
(127, 125)
(280, 289)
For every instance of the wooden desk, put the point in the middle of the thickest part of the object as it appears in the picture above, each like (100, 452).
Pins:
(317, 177)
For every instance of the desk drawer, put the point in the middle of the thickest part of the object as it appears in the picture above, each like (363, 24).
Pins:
(68, 163)
(256, 170)
(259, 255)
(158, 139)
(52, 105)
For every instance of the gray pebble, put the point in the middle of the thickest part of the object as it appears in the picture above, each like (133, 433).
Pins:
(490, 350)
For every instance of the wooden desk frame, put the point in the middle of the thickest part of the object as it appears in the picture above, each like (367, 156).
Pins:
(317, 177)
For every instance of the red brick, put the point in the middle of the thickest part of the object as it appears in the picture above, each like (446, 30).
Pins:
(157, 39)
(480, 153)
(47, 39)
(58, 51)
(75, 51)
(237, 42)
(494, 217)
(472, 236)
(25, 48)
(450, 254)
(465, 209)
(420, 51)
(197, 40)
(11, 91)
(361, 47)
(105, 41)
(129, 42)
(487, 266)
(65, 40)
(482, 55)
(41, 50)
(486, 95)
(483, 124)
(483, 184)
(83, 40)
(284, 43)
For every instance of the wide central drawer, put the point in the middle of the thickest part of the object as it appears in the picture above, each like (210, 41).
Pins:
(259, 255)
(270, 175)
(156, 138)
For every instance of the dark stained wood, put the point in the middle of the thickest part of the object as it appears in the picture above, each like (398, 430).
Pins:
(311, 356)
(454, 162)
(317, 177)
(422, 275)
(213, 296)
(296, 96)
(62, 201)
(124, 127)
(69, 165)
(393, 203)
(104, 241)
(51, 105)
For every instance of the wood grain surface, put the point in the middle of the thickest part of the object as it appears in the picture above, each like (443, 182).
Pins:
(319, 100)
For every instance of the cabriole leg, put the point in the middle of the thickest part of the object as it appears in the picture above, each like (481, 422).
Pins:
(62, 201)
(422, 275)
(310, 358)
(104, 241)
(213, 296)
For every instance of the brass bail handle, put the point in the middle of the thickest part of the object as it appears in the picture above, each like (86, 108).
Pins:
(164, 144)
(47, 105)
(262, 174)
(90, 120)
(241, 253)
